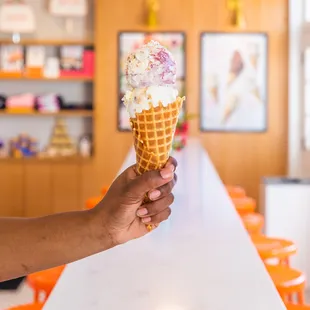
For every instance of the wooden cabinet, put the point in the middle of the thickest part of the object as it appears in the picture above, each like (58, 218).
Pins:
(11, 189)
(66, 187)
(37, 189)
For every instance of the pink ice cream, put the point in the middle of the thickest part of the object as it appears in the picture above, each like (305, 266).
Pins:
(151, 77)
(151, 65)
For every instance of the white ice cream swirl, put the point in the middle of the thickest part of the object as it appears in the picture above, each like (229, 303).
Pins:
(140, 99)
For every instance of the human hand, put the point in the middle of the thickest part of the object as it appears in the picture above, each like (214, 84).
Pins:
(122, 212)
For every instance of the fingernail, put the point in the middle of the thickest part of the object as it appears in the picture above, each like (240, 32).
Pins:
(166, 173)
(142, 212)
(154, 194)
(146, 220)
(171, 167)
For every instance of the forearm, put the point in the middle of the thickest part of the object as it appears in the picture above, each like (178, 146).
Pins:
(29, 245)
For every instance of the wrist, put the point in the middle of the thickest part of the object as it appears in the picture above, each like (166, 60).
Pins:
(98, 225)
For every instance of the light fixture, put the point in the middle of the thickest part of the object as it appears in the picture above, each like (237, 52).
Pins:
(236, 18)
(152, 11)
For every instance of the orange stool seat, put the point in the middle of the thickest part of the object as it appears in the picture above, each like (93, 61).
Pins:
(297, 307)
(92, 202)
(253, 222)
(270, 248)
(288, 281)
(244, 205)
(44, 281)
(235, 191)
(104, 190)
(28, 307)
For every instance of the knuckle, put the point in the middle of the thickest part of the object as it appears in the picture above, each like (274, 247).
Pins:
(175, 178)
(129, 193)
(169, 212)
(166, 214)
(165, 189)
(150, 178)
(170, 199)
(173, 161)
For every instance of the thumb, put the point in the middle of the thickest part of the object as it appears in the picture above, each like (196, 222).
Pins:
(150, 180)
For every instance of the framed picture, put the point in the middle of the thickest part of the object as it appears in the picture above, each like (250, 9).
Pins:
(233, 82)
(127, 43)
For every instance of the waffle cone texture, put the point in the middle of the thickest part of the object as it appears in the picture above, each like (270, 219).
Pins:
(153, 132)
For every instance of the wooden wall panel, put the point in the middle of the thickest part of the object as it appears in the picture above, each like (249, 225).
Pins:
(66, 187)
(90, 184)
(38, 189)
(11, 189)
(245, 158)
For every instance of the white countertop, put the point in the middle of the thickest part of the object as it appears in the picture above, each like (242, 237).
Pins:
(201, 259)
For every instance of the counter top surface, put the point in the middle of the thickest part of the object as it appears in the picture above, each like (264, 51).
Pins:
(200, 259)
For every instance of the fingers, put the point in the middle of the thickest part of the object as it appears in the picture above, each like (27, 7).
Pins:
(156, 212)
(158, 218)
(172, 161)
(163, 191)
(171, 165)
(150, 180)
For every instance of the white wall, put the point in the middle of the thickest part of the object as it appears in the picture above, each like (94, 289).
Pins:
(295, 98)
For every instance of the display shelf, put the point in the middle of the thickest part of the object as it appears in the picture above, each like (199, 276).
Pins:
(67, 113)
(56, 42)
(72, 78)
(70, 159)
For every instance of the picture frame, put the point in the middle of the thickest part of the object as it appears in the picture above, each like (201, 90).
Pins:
(128, 41)
(234, 82)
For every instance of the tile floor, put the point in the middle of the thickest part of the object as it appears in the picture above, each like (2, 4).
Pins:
(12, 298)
(24, 295)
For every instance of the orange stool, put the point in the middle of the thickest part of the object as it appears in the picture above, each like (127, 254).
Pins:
(92, 202)
(235, 191)
(253, 222)
(244, 205)
(44, 281)
(28, 307)
(289, 282)
(297, 307)
(270, 248)
(104, 190)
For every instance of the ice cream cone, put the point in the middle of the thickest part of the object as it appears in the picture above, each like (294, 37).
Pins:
(230, 108)
(254, 60)
(256, 93)
(153, 132)
(153, 105)
(214, 92)
(231, 77)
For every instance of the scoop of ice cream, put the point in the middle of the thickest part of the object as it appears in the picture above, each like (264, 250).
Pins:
(150, 65)
(141, 99)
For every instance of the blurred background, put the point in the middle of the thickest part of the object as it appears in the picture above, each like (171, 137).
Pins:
(243, 67)
(62, 98)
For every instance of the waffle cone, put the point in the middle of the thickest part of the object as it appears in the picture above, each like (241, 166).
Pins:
(153, 132)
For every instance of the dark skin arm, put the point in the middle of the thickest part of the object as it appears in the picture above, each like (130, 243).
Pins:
(30, 245)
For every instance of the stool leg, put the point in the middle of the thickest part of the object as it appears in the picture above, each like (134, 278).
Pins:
(36, 295)
(285, 261)
(290, 298)
(283, 297)
(301, 298)
(47, 294)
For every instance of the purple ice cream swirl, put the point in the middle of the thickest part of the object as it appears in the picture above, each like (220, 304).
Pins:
(151, 65)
